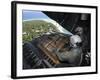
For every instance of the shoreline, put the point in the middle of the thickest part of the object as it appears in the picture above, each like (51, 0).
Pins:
(58, 26)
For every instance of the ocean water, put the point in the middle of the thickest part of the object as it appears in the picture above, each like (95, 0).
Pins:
(30, 14)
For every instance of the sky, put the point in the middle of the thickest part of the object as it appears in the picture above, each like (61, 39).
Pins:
(30, 14)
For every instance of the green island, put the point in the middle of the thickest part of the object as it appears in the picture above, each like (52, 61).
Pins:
(35, 28)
